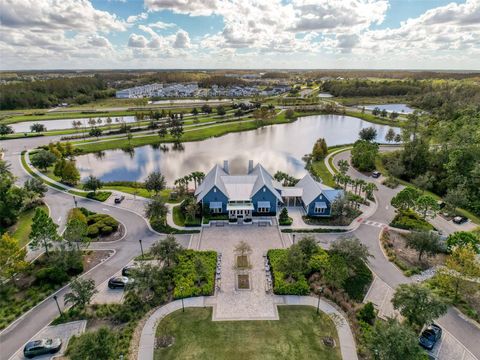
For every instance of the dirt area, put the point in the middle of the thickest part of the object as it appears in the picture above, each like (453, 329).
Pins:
(395, 244)
(92, 258)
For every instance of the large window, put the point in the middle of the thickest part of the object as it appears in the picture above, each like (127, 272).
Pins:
(263, 210)
(319, 210)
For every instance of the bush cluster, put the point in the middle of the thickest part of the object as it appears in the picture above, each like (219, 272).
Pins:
(280, 285)
(409, 220)
(99, 195)
(101, 225)
(186, 276)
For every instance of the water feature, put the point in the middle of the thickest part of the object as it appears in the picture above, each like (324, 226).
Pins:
(325, 95)
(278, 147)
(62, 124)
(398, 108)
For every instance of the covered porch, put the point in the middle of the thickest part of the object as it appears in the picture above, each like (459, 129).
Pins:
(240, 210)
(292, 196)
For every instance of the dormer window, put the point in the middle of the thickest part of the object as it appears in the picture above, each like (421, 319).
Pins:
(264, 189)
(214, 189)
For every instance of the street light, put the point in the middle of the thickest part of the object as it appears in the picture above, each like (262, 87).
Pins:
(58, 306)
(183, 305)
(293, 236)
(141, 247)
(75, 200)
(319, 294)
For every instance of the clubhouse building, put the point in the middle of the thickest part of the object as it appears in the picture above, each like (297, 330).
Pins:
(257, 193)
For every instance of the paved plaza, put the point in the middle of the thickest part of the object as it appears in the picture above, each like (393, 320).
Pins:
(230, 302)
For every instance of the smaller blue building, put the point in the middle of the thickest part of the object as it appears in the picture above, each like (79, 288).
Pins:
(258, 193)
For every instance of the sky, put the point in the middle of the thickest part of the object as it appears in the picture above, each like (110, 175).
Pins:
(242, 34)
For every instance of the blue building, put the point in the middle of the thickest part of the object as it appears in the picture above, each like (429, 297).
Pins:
(258, 193)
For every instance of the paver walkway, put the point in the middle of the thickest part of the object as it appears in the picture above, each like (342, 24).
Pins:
(232, 303)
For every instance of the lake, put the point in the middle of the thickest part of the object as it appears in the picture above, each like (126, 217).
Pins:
(62, 124)
(277, 147)
(398, 108)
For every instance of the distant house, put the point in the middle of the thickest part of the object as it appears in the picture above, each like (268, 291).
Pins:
(258, 193)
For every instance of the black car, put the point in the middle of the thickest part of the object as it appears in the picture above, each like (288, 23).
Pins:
(118, 282)
(42, 347)
(430, 336)
(459, 220)
(376, 174)
(127, 270)
(119, 199)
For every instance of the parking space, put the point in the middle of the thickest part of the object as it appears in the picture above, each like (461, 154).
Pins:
(106, 295)
(63, 331)
(449, 348)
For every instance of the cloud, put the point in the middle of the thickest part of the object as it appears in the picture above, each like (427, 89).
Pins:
(134, 18)
(137, 41)
(162, 25)
(65, 15)
(182, 40)
(191, 7)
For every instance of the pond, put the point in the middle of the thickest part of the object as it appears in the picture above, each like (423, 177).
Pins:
(398, 108)
(277, 147)
(62, 124)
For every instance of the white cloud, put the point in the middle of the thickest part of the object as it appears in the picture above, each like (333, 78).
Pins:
(182, 40)
(191, 7)
(134, 18)
(137, 41)
(162, 25)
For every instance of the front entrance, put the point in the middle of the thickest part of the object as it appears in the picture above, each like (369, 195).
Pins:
(240, 214)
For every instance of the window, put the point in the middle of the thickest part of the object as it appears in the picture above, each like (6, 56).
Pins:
(216, 210)
(263, 210)
(319, 210)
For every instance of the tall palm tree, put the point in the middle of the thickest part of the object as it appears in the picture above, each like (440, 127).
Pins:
(369, 188)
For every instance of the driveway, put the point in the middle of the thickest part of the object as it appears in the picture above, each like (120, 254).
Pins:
(63, 331)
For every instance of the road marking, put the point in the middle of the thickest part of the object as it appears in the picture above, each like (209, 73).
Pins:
(59, 218)
(105, 209)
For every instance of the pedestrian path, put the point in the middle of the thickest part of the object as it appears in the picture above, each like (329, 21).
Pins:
(375, 223)
(380, 294)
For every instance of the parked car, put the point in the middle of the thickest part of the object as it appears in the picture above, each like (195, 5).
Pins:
(429, 336)
(42, 347)
(119, 199)
(459, 220)
(376, 174)
(119, 282)
(127, 270)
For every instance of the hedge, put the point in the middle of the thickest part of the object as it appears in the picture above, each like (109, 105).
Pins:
(280, 285)
(101, 225)
(410, 220)
(185, 275)
(99, 195)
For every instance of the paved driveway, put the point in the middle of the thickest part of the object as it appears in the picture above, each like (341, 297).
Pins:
(63, 331)
(232, 303)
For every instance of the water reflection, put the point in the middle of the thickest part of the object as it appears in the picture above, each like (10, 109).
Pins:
(278, 147)
(398, 108)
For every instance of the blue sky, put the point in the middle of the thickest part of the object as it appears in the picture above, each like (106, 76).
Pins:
(410, 34)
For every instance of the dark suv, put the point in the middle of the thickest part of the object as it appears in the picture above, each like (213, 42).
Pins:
(430, 336)
(42, 347)
(376, 174)
(118, 282)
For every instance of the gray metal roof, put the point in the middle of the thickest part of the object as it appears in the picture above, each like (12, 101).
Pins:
(312, 188)
(237, 187)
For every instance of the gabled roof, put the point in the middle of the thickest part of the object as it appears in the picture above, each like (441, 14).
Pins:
(312, 189)
(264, 179)
(213, 178)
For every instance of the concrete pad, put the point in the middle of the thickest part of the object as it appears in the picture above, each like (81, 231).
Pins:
(106, 295)
(63, 331)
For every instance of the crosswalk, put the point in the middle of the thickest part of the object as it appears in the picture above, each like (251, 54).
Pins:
(374, 223)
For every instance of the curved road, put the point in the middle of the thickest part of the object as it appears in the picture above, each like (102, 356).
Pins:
(454, 322)
(19, 332)
(13, 338)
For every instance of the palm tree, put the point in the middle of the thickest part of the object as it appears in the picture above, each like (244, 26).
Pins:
(369, 188)
(361, 185)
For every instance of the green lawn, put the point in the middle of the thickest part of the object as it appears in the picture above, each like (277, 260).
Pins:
(178, 217)
(21, 230)
(297, 335)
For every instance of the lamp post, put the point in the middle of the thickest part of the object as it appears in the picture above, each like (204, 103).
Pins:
(141, 247)
(58, 306)
(319, 294)
(74, 200)
(183, 305)
(293, 237)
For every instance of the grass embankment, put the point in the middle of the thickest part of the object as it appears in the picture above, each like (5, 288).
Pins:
(194, 134)
(375, 119)
(373, 100)
(320, 169)
(178, 216)
(297, 334)
(64, 115)
(21, 230)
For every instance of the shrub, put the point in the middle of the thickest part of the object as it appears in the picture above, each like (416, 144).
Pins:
(185, 276)
(367, 313)
(410, 220)
(77, 214)
(160, 226)
(93, 231)
(99, 196)
(280, 285)
(357, 285)
(51, 275)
